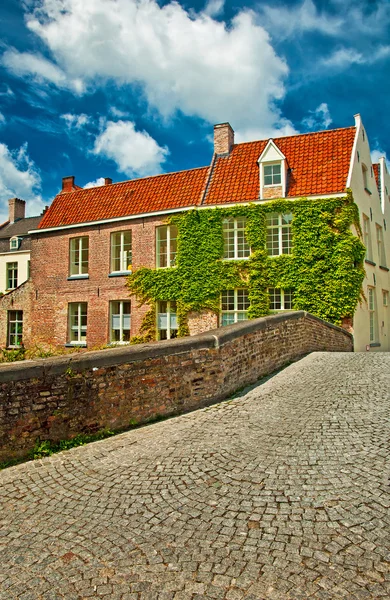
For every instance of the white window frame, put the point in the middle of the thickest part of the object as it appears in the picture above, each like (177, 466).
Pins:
(367, 237)
(272, 164)
(17, 321)
(78, 266)
(280, 226)
(121, 315)
(236, 312)
(170, 315)
(124, 255)
(283, 293)
(373, 317)
(170, 262)
(13, 279)
(381, 246)
(385, 297)
(233, 225)
(80, 329)
(14, 243)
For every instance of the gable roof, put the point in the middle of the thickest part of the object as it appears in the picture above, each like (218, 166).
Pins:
(318, 164)
(20, 227)
(139, 196)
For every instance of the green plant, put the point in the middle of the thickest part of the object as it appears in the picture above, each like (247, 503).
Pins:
(325, 270)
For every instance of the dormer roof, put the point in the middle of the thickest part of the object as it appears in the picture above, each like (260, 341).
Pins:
(271, 152)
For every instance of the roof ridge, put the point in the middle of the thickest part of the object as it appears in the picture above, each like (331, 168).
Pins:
(285, 137)
(137, 179)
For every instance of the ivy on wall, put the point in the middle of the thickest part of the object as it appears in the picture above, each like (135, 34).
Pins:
(325, 270)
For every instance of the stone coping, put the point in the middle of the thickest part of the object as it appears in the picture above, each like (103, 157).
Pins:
(213, 339)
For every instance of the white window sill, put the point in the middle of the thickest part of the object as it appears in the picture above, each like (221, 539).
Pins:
(76, 345)
(119, 273)
(71, 277)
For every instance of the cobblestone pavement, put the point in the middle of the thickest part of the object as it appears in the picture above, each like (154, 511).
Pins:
(280, 494)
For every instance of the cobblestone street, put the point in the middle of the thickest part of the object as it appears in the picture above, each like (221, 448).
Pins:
(280, 494)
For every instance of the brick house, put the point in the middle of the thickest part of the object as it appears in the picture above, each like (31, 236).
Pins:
(89, 240)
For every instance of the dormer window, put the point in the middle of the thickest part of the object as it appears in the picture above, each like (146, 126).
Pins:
(14, 243)
(273, 174)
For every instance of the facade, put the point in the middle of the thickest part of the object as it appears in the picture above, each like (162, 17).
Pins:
(268, 225)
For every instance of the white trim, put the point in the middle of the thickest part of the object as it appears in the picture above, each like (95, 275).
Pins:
(13, 252)
(177, 210)
(271, 143)
(382, 167)
(358, 125)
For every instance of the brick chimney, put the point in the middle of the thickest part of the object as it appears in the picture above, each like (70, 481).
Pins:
(223, 138)
(107, 181)
(16, 209)
(68, 184)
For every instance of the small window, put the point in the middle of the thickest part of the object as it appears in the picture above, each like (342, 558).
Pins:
(280, 299)
(372, 315)
(166, 241)
(385, 295)
(78, 260)
(234, 306)
(77, 319)
(272, 174)
(367, 237)
(15, 328)
(235, 244)
(12, 276)
(365, 178)
(121, 256)
(381, 246)
(166, 320)
(28, 269)
(120, 320)
(14, 243)
(279, 237)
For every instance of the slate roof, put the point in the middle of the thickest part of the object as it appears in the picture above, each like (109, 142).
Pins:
(19, 228)
(318, 162)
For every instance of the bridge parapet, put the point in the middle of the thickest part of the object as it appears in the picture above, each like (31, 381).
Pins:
(60, 397)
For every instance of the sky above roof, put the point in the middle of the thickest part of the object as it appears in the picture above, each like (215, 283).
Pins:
(126, 88)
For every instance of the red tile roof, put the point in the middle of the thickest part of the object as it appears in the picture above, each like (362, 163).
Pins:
(319, 164)
(375, 166)
(151, 194)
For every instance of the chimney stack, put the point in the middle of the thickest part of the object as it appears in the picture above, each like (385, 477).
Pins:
(107, 181)
(68, 184)
(16, 209)
(223, 138)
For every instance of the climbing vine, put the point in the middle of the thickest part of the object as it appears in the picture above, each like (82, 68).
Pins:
(324, 271)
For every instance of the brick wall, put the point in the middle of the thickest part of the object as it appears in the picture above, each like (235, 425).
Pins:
(18, 299)
(53, 291)
(199, 322)
(274, 191)
(57, 398)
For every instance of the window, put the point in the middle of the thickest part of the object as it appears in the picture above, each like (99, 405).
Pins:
(235, 244)
(79, 257)
(381, 246)
(78, 323)
(365, 179)
(272, 174)
(15, 328)
(166, 320)
(28, 269)
(279, 239)
(367, 237)
(234, 306)
(120, 321)
(385, 295)
(12, 275)
(121, 257)
(280, 299)
(372, 313)
(166, 246)
(14, 243)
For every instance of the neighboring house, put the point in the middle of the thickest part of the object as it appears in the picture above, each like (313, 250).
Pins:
(269, 225)
(15, 245)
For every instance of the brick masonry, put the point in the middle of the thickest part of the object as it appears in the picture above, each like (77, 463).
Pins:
(56, 398)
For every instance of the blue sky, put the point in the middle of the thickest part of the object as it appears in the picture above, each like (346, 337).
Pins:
(126, 88)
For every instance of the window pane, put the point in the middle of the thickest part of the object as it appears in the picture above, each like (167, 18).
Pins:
(162, 246)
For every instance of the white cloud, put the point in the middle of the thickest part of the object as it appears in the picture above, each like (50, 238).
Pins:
(2, 119)
(286, 21)
(183, 62)
(39, 68)
(91, 184)
(318, 118)
(76, 121)
(134, 152)
(19, 177)
(344, 57)
(377, 154)
(214, 8)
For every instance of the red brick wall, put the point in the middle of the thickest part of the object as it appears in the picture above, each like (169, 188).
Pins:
(274, 191)
(50, 270)
(18, 299)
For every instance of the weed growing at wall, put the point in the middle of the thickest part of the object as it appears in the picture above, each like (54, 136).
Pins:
(325, 270)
